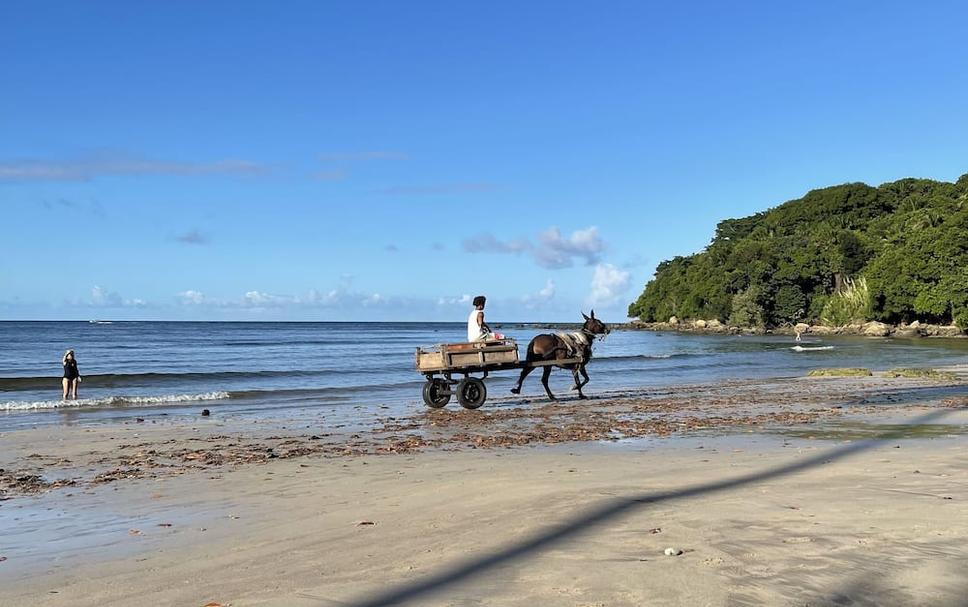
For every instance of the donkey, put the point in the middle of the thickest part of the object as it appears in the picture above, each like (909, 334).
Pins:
(560, 346)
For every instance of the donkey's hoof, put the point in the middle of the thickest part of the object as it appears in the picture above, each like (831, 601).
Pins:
(515, 390)
(582, 397)
(575, 387)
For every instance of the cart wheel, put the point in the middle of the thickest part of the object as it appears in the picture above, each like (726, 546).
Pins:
(471, 393)
(436, 393)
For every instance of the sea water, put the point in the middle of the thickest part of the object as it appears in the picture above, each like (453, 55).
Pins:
(153, 368)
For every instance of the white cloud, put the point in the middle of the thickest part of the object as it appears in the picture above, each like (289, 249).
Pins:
(552, 250)
(191, 297)
(546, 294)
(258, 299)
(608, 284)
(463, 300)
(101, 297)
(555, 251)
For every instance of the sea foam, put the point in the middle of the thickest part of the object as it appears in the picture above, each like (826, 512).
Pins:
(111, 401)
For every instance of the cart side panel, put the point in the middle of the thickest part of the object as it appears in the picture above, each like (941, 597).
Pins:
(480, 357)
(429, 361)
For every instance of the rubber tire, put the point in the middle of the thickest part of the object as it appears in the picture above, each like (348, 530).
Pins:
(471, 393)
(432, 393)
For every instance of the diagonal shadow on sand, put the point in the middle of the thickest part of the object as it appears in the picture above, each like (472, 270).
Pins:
(610, 511)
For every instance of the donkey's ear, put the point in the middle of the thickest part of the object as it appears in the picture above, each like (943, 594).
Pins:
(593, 314)
(585, 316)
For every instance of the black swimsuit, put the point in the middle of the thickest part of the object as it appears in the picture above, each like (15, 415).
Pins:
(70, 370)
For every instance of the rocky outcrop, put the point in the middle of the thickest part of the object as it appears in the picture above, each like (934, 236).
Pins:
(876, 329)
(941, 331)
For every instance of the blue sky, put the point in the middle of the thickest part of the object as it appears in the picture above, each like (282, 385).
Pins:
(384, 160)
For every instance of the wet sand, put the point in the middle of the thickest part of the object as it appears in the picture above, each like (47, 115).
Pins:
(570, 504)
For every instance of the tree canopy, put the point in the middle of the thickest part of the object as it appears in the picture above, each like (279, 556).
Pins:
(852, 252)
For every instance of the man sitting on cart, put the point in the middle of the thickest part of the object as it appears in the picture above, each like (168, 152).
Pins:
(477, 329)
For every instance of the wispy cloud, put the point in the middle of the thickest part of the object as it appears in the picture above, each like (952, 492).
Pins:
(552, 250)
(488, 243)
(546, 294)
(343, 296)
(119, 165)
(609, 284)
(59, 205)
(101, 297)
(391, 248)
(635, 261)
(191, 297)
(363, 156)
(461, 300)
(439, 189)
(193, 237)
(329, 175)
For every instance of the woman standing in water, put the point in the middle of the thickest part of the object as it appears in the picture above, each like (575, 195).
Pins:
(71, 375)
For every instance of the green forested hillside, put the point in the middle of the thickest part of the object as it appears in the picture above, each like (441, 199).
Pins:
(894, 253)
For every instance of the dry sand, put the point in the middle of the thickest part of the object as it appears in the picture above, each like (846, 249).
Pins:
(816, 515)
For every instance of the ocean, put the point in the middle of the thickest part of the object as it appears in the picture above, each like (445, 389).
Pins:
(252, 368)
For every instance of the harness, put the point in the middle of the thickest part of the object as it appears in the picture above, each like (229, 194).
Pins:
(575, 342)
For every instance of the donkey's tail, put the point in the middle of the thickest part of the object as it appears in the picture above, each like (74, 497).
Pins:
(530, 355)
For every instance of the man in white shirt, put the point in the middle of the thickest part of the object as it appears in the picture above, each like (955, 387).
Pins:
(477, 329)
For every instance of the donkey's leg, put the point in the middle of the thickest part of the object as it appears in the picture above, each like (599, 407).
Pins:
(577, 385)
(584, 373)
(524, 373)
(546, 373)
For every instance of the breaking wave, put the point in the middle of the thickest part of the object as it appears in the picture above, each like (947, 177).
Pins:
(111, 401)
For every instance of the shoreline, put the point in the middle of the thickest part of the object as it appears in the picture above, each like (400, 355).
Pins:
(136, 447)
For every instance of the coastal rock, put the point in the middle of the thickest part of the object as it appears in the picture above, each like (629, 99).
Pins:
(802, 327)
(714, 324)
(822, 330)
(673, 551)
(942, 331)
(907, 333)
(673, 320)
(876, 329)
(699, 324)
(914, 325)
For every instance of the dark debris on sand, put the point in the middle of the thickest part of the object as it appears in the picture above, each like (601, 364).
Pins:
(20, 483)
(727, 407)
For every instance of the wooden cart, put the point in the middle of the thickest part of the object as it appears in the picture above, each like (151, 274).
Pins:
(441, 363)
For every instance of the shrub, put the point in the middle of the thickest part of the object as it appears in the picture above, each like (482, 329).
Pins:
(852, 304)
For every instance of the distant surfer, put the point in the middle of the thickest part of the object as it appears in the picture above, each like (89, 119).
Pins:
(71, 375)
(798, 337)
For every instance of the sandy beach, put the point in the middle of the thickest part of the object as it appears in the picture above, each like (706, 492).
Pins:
(805, 491)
